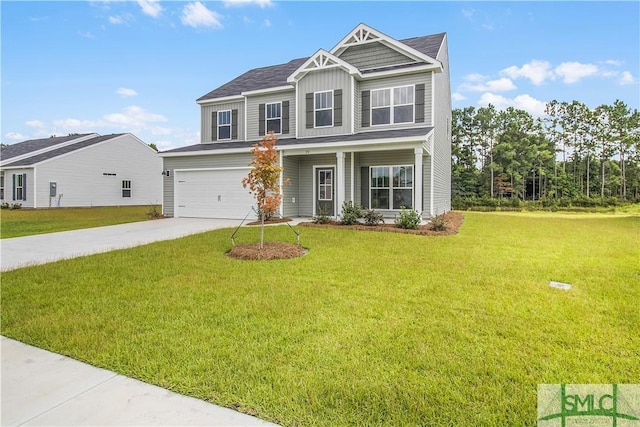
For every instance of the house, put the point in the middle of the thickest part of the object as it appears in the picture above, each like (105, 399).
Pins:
(80, 170)
(368, 121)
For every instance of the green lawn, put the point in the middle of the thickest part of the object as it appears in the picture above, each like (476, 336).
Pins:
(25, 222)
(366, 329)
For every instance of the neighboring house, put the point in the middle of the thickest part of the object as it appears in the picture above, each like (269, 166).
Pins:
(80, 170)
(368, 121)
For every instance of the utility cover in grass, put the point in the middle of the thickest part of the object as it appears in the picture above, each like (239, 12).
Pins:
(560, 285)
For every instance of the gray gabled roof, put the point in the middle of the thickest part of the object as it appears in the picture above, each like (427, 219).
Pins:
(26, 147)
(29, 161)
(276, 75)
(363, 136)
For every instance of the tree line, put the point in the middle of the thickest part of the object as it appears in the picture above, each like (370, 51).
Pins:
(572, 153)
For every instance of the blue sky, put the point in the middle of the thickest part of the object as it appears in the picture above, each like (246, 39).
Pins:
(139, 66)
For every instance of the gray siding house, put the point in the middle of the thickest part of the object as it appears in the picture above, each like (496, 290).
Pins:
(368, 121)
(80, 171)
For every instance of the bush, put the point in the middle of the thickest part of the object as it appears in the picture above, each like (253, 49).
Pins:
(5, 205)
(372, 217)
(154, 212)
(322, 217)
(351, 212)
(16, 206)
(409, 219)
(438, 223)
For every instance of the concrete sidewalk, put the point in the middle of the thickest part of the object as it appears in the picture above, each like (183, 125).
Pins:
(42, 248)
(43, 388)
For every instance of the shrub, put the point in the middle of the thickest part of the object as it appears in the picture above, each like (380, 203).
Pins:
(322, 217)
(438, 223)
(154, 212)
(372, 217)
(409, 219)
(16, 206)
(351, 212)
(5, 205)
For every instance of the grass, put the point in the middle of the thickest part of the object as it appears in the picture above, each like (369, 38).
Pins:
(366, 329)
(26, 222)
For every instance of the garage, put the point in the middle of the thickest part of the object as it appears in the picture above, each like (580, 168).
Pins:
(212, 193)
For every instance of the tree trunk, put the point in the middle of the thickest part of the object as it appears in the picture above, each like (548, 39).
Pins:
(262, 230)
(588, 170)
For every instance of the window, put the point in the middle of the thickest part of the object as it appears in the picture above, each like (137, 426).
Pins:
(20, 190)
(391, 187)
(126, 188)
(325, 184)
(2, 187)
(391, 106)
(274, 117)
(224, 124)
(324, 109)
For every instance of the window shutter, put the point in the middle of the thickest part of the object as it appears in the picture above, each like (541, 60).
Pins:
(366, 106)
(24, 187)
(234, 124)
(261, 120)
(337, 107)
(13, 177)
(419, 103)
(285, 117)
(214, 126)
(364, 186)
(309, 110)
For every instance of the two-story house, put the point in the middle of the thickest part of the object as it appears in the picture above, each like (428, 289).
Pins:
(368, 121)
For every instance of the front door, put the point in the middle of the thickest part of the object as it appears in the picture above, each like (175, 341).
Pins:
(325, 189)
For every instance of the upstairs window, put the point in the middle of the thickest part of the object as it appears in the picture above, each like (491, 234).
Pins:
(274, 117)
(324, 109)
(224, 124)
(126, 188)
(392, 105)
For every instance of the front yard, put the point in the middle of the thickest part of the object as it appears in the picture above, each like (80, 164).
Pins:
(26, 222)
(366, 329)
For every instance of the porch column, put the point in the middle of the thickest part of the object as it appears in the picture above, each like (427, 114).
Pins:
(417, 181)
(340, 181)
(281, 183)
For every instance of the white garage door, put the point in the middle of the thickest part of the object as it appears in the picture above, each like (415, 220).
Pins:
(212, 194)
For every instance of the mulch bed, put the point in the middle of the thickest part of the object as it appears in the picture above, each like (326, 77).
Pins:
(270, 250)
(270, 221)
(452, 219)
(281, 250)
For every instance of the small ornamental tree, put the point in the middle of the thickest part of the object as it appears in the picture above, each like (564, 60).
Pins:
(264, 179)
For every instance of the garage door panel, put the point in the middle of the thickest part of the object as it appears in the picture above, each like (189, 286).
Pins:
(212, 194)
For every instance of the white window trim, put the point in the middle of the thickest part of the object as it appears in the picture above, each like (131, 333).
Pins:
(391, 187)
(266, 120)
(126, 188)
(315, 110)
(392, 106)
(219, 125)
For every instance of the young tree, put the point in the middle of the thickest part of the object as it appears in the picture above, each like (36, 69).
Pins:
(264, 179)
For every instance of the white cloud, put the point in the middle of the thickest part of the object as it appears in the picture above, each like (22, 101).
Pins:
(125, 93)
(75, 125)
(474, 78)
(613, 62)
(627, 78)
(267, 23)
(150, 7)
(197, 15)
(571, 72)
(15, 136)
(468, 13)
(523, 102)
(536, 71)
(86, 34)
(458, 96)
(120, 19)
(500, 85)
(34, 123)
(261, 3)
(133, 117)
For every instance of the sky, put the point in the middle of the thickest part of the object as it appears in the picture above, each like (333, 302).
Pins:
(139, 66)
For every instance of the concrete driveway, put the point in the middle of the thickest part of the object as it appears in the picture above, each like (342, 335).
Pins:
(20, 252)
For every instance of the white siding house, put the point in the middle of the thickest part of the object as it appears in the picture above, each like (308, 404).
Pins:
(81, 171)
